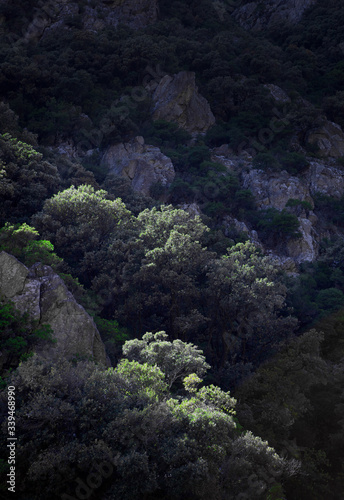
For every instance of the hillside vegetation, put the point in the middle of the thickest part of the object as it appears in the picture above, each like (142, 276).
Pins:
(227, 368)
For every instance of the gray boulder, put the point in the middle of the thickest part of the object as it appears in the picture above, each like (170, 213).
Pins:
(176, 99)
(40, 292)
(142, 164)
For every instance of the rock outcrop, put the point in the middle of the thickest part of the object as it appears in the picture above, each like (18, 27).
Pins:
(265, 13)
(274, 189)
(241, 227)
(176, 99)
(42, 293)
(142, 164)
(305, 248)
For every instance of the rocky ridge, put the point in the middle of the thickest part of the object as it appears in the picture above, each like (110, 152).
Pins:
(329, 138)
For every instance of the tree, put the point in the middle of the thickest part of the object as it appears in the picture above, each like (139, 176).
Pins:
(80, 222)
(275, 225)
(165, 278)
(119, 433)
(266, 161)
(294, 163)
(245, 299)
(299, 416)
(330, 299)
(176, 359)
(26, 180)
(21, 240)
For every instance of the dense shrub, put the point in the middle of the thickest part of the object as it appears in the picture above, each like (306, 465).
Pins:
(152, 444)
(165, 134)
(330, 208)
(26, 180)
(265, 161)
(274, 223)
(21, 240)
(293, 163)
(329, 299)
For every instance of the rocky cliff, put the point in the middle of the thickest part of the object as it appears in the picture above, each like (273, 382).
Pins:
(42, 293)
(265, 13)
(143, 165)
(273, 189)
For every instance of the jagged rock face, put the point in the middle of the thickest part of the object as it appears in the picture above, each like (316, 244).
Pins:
(42, 293)
(274, 189)
(176, 99)
(329, 139)
(261, 14)
(142, 164)
(329, 136)
(192, 208)
(305, 248)
(324, 179)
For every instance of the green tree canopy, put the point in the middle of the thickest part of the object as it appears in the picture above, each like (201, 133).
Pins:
(79, 222)
(26, 180)
(246, 299)
(176, 359)
(88, 419)
(22, 241)
(166, 276)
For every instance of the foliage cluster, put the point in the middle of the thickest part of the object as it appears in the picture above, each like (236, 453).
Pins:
(152, 272)
(293, 163)
(21, 240)
(26, 180)
(319, 289)
(157, 268)
(88, 419)
(54, 82)
(302, 416)
(330, 208)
